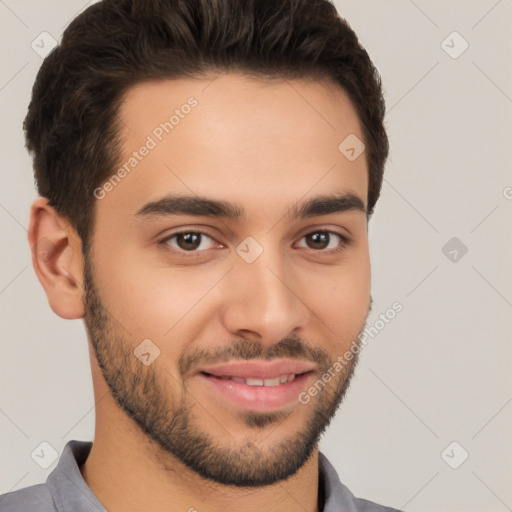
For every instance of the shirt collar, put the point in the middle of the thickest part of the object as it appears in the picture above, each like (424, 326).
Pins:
(66, 483)
(71, 492)
(336, 495)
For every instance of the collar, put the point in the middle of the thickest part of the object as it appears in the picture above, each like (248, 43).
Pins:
(71, 492)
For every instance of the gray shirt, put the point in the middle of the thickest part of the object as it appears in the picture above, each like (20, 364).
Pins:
(65, 489)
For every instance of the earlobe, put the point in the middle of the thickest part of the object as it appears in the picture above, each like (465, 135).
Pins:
(57, 259)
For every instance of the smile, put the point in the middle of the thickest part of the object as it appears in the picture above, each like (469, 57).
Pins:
(255, 394)
(254, 381)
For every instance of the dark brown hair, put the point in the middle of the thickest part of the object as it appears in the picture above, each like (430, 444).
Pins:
(71, 126)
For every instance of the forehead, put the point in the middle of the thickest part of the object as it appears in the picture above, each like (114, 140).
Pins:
(237, 138)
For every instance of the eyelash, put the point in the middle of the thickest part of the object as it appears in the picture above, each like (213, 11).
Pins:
(190, 254)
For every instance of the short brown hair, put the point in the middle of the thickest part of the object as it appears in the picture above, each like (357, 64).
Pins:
(71, 126)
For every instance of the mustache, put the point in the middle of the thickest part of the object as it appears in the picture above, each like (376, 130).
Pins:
(290, 347)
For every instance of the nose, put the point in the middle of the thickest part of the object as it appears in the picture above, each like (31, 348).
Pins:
(266, 299)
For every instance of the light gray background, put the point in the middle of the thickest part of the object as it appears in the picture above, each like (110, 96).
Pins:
(439, 372)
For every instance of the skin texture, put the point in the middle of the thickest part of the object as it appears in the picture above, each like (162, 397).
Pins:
(164, 440)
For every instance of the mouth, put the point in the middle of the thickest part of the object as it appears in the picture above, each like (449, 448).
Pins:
(256, 381)
(253, 393)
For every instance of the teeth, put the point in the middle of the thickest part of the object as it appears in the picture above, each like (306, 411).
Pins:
(254, 382)
(264, 382)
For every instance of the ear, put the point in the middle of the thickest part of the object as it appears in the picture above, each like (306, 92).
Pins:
(57, 259)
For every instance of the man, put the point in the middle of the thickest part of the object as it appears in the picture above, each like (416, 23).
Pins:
(206, 172)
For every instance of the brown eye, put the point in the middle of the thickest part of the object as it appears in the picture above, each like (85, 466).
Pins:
(325, 241)
(188, 241)
(318, 240)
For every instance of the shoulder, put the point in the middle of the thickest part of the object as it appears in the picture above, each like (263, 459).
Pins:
(36, 498)
(338, 497)
(369, 506)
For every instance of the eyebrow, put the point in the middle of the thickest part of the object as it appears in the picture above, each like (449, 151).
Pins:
(207, 207)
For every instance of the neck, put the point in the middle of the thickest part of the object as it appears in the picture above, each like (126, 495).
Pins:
(127, 471)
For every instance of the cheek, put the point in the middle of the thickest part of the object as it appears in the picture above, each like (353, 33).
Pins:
(343, 307)
(151, 301)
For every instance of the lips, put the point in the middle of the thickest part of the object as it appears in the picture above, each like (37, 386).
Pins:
(258, 386)
(259, 373)
(254, 398)
(253, 381)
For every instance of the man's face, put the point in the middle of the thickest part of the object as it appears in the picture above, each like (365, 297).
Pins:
(268, 287)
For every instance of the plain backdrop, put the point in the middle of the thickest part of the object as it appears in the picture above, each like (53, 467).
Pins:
(434, 386)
